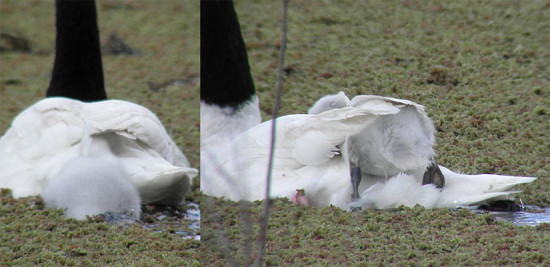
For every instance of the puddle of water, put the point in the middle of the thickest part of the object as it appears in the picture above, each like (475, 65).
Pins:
(193, 215)
(532, 215)
(182, 223)
(121, 218)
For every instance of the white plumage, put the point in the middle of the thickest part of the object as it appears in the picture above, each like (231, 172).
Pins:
(401, 142)
(391, 139)
(329, 102)
(95, 182)
(394, 151)
(459, 190)
(305, 157)
(48, 134)
(396, 143)
(219, 125)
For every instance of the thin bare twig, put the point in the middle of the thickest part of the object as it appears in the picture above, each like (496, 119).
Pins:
(267, 201)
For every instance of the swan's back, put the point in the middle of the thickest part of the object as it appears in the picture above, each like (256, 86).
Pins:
(134, 122)
(48, 134)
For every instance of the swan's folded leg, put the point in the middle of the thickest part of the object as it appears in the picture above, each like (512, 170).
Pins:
(355, 181)
(433, 175)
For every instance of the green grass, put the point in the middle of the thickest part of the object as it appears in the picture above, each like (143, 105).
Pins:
(482, 70)
(32, 235)
(166, 34)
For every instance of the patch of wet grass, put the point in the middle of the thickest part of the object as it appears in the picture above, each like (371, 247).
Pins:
(480, 68)
(166, 36)
(33, 235)
(300, 235)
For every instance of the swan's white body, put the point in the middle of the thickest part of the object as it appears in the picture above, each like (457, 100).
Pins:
(48, 134)
(305, 157)
(394, 152)
(220, 125)
(95, 182)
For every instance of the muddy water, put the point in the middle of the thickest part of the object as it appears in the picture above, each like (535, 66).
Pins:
(193, 215)
(184, 223)
(532, 215)
(180, 222)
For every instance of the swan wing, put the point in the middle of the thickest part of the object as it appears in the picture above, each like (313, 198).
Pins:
(305, 147)
(134, 122)
(376, 102)
(39, 141)
(314, 138)
(156, 179)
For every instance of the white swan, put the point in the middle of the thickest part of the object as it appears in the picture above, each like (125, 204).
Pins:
(306, 157)
(229, 105)
(48, 134)
(234, 152)
(394, 153)
(95, 182)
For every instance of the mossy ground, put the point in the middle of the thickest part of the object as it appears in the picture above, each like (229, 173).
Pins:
(166, 37)
(482, 70)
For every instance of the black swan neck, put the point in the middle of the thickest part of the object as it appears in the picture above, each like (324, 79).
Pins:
(78, 69)
(225, 72)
